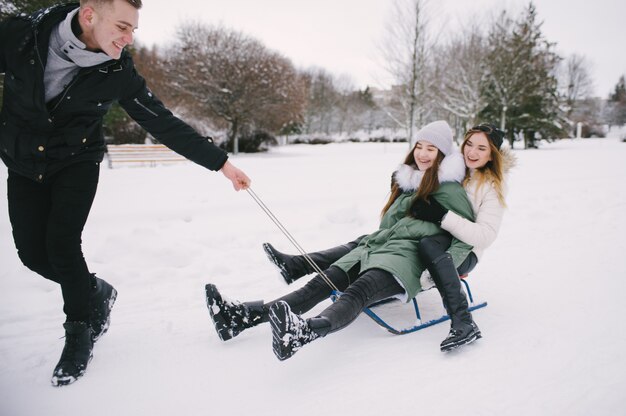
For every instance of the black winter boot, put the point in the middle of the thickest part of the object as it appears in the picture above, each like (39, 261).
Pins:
(232, 318)
(76, 354)
(101, 301)
(463, 329)
(294, 267)
(290, 332)
(458, 336)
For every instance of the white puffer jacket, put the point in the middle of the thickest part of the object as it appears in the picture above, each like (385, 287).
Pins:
(488, 210)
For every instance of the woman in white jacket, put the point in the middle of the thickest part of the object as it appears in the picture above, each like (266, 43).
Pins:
(485, 185)
(486, 166)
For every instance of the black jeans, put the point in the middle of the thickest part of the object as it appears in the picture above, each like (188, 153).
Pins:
(48, 220)
(359, 291)
(370, 287)
(317, 289)
(431, 248)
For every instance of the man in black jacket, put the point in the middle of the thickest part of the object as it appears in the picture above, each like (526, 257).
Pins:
(64, 67)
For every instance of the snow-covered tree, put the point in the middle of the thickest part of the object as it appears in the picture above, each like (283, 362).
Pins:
(521, 86)
(407, 55)
(10, 7)
(235, 78)
(463, 75)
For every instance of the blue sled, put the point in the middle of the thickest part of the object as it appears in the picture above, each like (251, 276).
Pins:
(380, 321)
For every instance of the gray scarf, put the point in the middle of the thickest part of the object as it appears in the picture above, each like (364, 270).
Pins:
(66, 55)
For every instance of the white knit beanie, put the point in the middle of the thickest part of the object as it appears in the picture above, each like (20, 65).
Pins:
(438, 133)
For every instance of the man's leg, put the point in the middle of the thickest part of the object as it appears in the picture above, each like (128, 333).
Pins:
(72, 194)
(29, 205)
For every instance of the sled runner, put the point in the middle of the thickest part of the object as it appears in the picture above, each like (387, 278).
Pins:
(419, 323)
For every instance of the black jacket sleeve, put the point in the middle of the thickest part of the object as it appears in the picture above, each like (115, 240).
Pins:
(147, 110)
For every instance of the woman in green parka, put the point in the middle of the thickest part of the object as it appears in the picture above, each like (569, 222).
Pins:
(384, 263)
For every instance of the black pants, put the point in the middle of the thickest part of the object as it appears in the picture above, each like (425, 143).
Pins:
(359, 291)
(431, 248)
(48, 220)
(317, 289)
(372, 286)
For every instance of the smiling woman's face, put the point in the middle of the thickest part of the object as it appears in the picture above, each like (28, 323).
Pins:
(477, 151)
(425, 154)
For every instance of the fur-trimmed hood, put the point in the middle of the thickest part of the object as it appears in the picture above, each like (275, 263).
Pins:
(452, 169)
(509, 160)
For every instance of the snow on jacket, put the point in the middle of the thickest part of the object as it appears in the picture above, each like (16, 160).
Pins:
(39, 138)
(393, 247)
(488, 211)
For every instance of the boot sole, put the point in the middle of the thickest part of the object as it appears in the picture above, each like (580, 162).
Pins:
(107, 324)
(272, 258)
(213, 298)
(468, 340)
(61, 381)
(279, 321)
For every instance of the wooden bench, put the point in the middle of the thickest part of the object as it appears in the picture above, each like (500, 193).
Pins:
(141, 155)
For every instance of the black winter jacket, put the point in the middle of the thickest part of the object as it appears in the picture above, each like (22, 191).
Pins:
(39, 139)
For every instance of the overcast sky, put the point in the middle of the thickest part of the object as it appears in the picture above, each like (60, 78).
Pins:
(342, 35)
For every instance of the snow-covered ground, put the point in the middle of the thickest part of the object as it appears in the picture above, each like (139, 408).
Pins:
(554, 336)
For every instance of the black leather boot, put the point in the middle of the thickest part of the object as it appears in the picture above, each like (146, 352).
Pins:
(463, 330)
(293, 267)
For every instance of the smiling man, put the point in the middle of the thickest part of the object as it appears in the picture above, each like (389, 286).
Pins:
(64, 67)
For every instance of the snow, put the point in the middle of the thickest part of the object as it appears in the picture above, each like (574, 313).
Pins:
(553, 341)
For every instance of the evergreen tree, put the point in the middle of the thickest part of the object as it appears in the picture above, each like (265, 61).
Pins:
(617, 103)
(521, 86)
(10, 7)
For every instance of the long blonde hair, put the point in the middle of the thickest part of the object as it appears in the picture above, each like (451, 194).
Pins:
(428, 185)
(492, 172)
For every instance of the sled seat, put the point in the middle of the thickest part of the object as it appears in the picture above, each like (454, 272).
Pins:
(141, 155)
(369, 311)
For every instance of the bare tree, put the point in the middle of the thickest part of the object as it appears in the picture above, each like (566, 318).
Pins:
(576, 87)
(406, 51)
(577, 81)
(321, 99)
(463, 76)
(233, 77)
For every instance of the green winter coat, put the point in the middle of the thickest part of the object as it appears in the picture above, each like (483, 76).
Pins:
(394, 246)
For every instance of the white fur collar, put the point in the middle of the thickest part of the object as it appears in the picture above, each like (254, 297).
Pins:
(452, 169)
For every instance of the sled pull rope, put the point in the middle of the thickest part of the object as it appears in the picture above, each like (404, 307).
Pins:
(293, 241)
